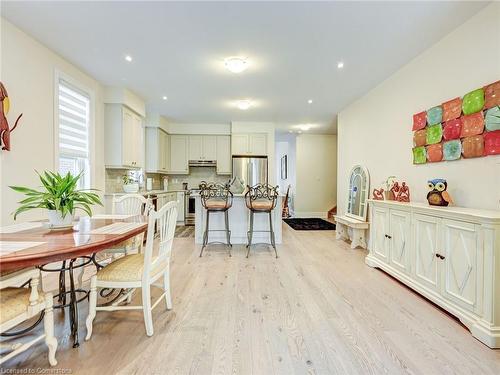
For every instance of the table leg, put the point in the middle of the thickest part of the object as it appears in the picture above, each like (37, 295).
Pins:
(73, 306)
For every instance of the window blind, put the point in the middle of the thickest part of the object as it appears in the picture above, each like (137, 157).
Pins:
(74, 112)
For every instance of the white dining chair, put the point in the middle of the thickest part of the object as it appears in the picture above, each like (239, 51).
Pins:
(129, 204)
(142, 270)
(18, 304)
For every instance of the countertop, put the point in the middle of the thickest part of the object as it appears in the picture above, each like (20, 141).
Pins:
(146, 192)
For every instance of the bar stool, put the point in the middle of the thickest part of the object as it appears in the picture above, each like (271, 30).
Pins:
(216, 197)
(261, 199)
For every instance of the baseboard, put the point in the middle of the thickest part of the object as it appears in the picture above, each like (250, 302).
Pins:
(303, 214)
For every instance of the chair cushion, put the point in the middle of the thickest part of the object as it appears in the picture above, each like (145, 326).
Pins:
(14, 302)
(216, 204)
(127, 268)
(262, 205)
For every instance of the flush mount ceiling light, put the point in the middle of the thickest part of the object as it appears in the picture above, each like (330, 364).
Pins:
(340, 64)
(128, 58)
(243, 104)
(165, 98)
(236, 64)
(310, 101)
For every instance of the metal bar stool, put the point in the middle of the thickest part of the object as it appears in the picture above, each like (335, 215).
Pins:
(216, 197)
(261, 199)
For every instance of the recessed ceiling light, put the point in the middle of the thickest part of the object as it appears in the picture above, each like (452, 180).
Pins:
(243, 104)
(300, 132)
(310, 101)
(165, 98)
(340, 64)
(128, 58)
(236, 64)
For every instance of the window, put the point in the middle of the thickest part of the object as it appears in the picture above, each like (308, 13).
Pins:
(74, 132)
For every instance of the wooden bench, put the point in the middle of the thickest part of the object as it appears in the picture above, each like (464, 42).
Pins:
(357, 234)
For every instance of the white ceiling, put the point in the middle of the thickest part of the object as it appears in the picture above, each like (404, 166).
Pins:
(293, 48)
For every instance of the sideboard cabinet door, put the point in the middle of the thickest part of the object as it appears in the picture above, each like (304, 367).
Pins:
(460, 264)
(380, 232)
(400, 235)
(426, 234)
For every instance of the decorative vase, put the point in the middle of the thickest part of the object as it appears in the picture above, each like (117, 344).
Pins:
(131, 188)
(56, 219)
(389, 195)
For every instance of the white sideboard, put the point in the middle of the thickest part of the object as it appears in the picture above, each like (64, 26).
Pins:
(450, 255)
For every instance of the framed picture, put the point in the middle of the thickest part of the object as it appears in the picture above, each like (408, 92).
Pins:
(284, 168)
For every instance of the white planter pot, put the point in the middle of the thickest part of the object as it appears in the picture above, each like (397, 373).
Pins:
(56, 219)
(131, 188)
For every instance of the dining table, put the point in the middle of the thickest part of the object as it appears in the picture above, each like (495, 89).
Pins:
(36, 244)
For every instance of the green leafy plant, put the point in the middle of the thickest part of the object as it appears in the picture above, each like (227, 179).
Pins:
(60, 193)
(127, 180)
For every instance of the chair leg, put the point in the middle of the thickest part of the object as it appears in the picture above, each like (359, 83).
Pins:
(228, 232)
(271, 233)
(250, 233)
(205, 235)
(48, 324)
(166, 289)
(146, 308)
(92, 306)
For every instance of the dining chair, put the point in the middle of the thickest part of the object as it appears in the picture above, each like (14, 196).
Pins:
(19, 304)
(143, 270)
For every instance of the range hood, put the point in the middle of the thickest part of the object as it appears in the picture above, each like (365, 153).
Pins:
(202, 163)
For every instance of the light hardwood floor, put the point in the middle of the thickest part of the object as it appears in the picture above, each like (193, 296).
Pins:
(317, 309)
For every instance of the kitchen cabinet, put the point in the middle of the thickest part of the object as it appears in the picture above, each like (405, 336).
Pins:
(123, 137)
(179, 154)
(447, 254)
(180, 196)
(254, 144)
(157, 150)
(202, 147)
(223, 147)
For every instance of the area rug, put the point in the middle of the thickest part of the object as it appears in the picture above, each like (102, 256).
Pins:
(309, 224)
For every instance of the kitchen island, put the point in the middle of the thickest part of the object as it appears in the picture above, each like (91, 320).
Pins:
(239, 216)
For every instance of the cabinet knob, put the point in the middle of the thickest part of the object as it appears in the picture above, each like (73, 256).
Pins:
(439, 256)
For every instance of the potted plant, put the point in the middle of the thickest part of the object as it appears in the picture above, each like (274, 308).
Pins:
(60, 196)
(129, 184)
(388, 184)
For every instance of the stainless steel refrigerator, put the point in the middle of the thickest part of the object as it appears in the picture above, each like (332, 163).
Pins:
(251, 170)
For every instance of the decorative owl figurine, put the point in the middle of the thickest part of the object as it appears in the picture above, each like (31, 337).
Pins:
(438, 196)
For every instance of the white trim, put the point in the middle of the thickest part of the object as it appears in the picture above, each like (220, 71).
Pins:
(58, 75)
(305, 214)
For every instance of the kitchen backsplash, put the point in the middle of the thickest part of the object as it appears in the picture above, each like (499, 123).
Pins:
(195, 176)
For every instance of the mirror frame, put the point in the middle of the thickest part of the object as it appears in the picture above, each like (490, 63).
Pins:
(361, 217)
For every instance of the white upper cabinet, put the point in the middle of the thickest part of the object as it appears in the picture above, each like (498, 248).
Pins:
(251, 144)
(224, 154)
(157, 150)
(124, 137)
(179, 154)
(202, 147)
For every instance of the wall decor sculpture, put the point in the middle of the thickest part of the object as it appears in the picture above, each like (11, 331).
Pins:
(5, 130)
(467, 127)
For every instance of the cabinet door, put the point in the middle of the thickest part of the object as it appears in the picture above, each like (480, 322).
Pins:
(138, 141)
(258, 144)
(195, 147)
(128, 134)
(400, 239)
(209, 147)
(179, 154)
(239, 144)
(380, 230)
(223, 154)
(166, 152)
(460, 264)
(426, 243)
(180, 206)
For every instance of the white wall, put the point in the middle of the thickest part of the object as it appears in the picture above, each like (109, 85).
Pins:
(376, 131)
(27, 71)
(316, 168)
(286, 145)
